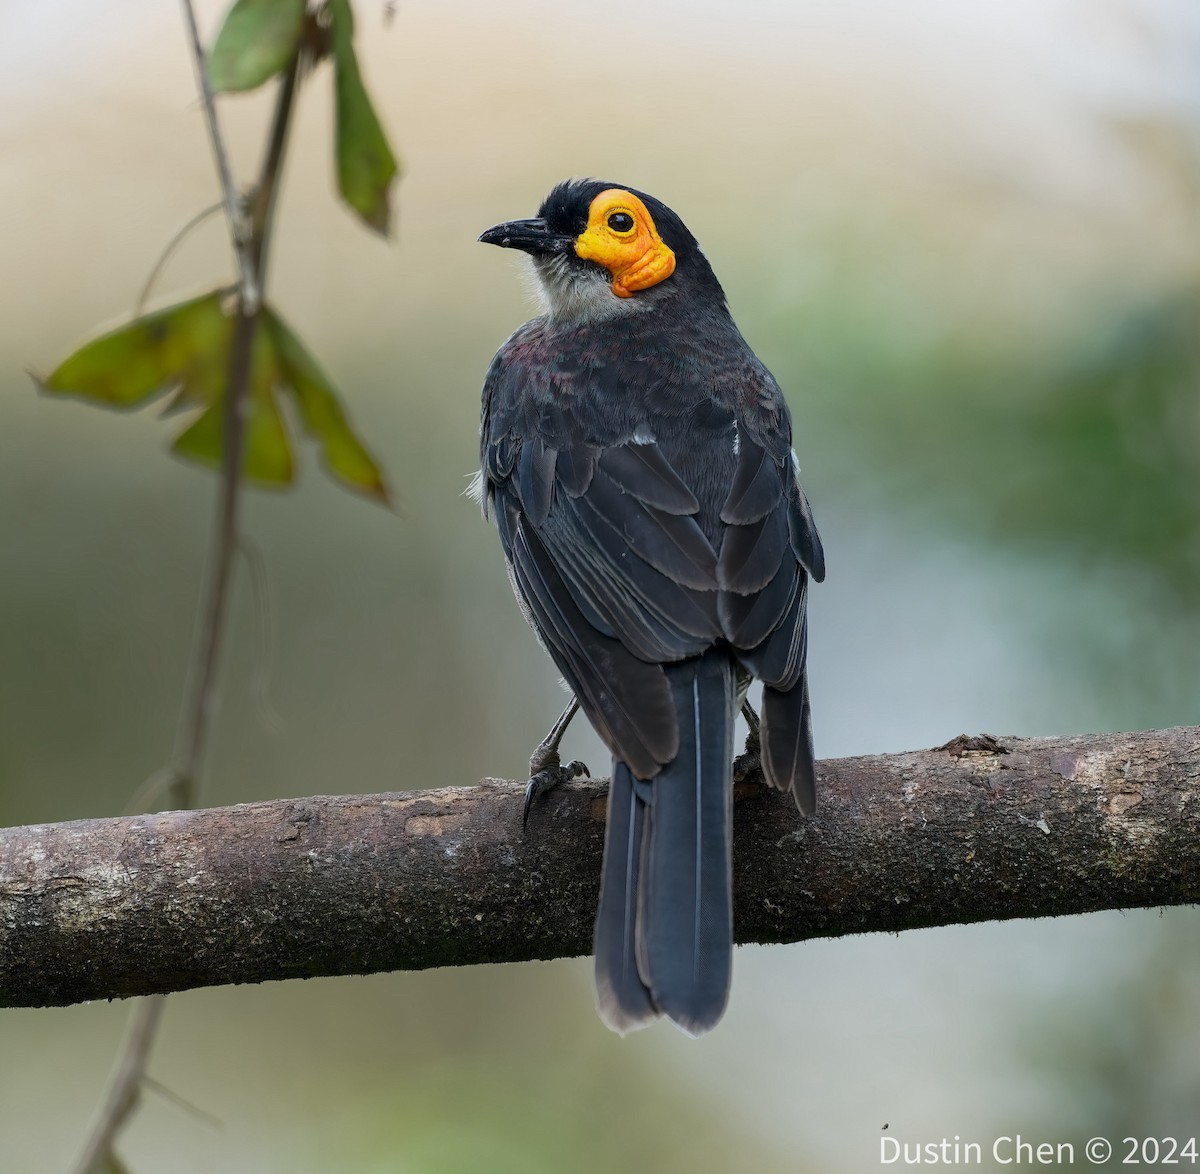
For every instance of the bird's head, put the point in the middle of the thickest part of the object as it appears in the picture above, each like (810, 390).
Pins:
(601, 250)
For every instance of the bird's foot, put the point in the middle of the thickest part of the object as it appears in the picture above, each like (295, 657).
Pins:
(546, 771)
(747, 766)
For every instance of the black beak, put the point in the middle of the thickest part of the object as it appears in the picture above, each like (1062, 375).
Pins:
(530, 236)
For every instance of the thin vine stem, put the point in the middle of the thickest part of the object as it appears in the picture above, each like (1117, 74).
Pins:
(249, 279)
(125, 1086)
(250, 226)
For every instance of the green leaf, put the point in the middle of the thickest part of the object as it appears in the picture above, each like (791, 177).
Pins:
(365, 163)
(266, 449)
(256, 42)
(126, 367)
(187, 348)
(322, 414)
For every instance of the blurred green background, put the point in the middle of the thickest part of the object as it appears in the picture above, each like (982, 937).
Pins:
(965, 237)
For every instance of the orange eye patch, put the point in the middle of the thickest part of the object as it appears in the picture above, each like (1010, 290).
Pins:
(621, 236)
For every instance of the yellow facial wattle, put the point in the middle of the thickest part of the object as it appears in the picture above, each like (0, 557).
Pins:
(622, 237)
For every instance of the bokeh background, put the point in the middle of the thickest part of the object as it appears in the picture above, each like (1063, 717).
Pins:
(966, 237)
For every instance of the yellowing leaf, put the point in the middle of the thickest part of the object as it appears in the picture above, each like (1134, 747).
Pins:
(365, 163)
(256, 42)
(322, 413)
(171, 347)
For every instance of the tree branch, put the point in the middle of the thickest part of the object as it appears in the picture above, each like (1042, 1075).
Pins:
(973, 831)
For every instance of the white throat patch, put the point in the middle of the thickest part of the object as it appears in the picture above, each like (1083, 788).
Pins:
(572, 294)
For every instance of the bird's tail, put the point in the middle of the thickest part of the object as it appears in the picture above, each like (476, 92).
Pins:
(664, 928)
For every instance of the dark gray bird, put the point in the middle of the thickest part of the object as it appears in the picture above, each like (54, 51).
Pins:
(637, 459)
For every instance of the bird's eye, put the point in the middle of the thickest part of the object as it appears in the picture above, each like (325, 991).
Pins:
(620, 222)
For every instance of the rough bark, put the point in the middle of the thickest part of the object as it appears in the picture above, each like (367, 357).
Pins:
(979, 829)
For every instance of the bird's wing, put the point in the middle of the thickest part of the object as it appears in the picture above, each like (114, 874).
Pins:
(770, 546)
(605, 551)
(769, 551)
(616, 574)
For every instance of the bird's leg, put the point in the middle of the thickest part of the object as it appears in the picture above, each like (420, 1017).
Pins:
(749, 762)
(546, 770)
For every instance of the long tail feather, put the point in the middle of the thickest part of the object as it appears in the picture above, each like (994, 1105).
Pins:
(787, 743)
(622, 998)
(664, 928)
(685, 913)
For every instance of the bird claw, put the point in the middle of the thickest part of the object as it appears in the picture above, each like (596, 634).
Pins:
(547, 779)
(747, 766)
